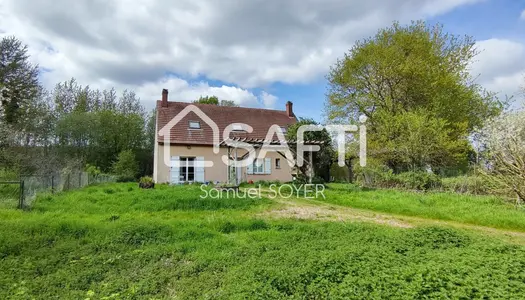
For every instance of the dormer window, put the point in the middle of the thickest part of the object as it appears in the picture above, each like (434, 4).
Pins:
(237, 127)
(283, 129)
(195, 125)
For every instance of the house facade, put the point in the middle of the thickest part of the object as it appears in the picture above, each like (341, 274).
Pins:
(187, 133)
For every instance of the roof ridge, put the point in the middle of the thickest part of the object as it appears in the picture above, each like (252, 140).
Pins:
(227, 107)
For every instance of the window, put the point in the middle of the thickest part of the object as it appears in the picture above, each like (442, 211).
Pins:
(187, 169)
(195, 125)
(283, 129)
(258, 166)
(277, 163)
(237, 127)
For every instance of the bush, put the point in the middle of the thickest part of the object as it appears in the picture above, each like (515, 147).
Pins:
(262, 183)
(93, 170)
(377, 177)
(126, 165)
(146, 182)
(246, 184)
(418, 180)
(126, 179)
(466, 185)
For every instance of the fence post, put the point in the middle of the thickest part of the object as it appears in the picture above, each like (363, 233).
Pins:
(21, 200)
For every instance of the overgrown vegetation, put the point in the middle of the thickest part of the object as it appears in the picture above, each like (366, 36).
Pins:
(119, 241)
(503, 145)
(322, 159)
(476, 210)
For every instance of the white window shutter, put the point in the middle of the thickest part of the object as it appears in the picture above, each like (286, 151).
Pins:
(175, 170)
(199, 169)
(268, 166)
(249, 169)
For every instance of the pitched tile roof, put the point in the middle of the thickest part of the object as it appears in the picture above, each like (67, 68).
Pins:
(259, 119)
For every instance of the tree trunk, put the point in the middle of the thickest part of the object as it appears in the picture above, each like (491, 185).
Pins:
(350, 166)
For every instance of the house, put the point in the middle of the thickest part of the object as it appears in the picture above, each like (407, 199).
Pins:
(193, 133)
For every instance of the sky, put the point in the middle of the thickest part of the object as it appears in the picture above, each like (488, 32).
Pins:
(259, 53)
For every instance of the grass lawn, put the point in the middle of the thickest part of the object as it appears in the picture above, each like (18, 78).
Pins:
(117, 241)
(468, 209)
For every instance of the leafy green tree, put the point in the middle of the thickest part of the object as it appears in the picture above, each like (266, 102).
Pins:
(126, 165)
(208, 100)
(151, 128)
(215, 101)
(322, 160)
(407, 69)
(415, 141)
(18, 79)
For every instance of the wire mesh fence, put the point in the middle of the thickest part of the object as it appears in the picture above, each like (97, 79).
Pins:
(21, 193)
(10, 194)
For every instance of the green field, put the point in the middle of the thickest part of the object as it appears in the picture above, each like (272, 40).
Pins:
(119, 242)
(475, 210)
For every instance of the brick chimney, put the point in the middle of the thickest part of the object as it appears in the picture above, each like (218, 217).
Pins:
(164, 98)
(289, 109)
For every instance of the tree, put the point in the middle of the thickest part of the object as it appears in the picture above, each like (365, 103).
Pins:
(126, 165)
(415, 141)
(208, 100)
(404, 69)
(215, 101)
(151, 128)
(503, 140)
(228, 103)
(95, 126)
(18, 79)
(322, 160)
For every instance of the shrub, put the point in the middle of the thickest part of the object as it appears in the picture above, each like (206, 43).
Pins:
(245, 184)
(124, 178)
(418, 180)
(146, 182)
(93, 170)
(381, 178)
(126, 165)
(276, 182)
(466, 185)
(262, 183)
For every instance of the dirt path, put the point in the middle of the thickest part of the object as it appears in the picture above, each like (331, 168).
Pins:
(304, 210)
(317, 210)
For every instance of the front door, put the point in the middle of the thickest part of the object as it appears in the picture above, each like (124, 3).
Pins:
(234, 175)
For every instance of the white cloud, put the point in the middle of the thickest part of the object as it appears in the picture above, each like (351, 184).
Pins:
(245, 43)
(182, 90)
(500, 67)
(268, 100)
